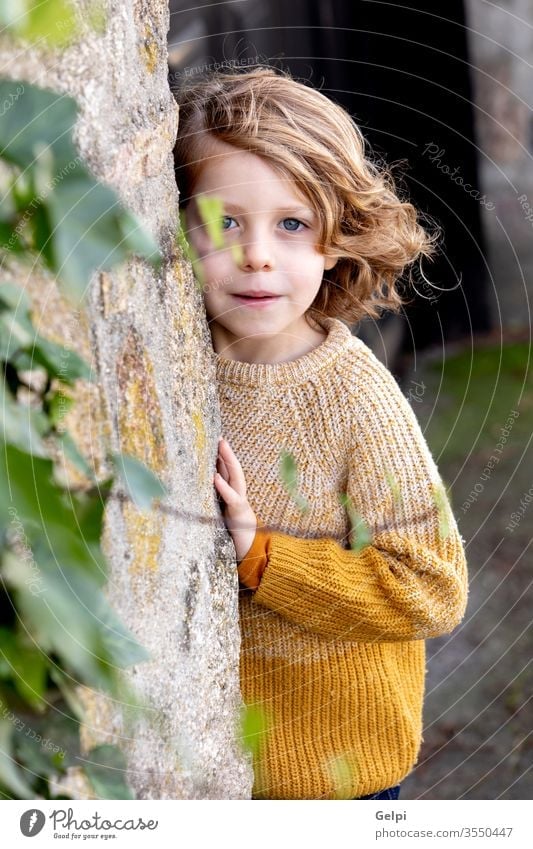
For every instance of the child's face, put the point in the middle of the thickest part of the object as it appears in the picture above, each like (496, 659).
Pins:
(271, 236)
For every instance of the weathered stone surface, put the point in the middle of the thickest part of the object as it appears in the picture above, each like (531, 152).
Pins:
(172, 580)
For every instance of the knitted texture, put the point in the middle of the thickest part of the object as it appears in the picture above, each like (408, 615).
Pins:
(332, 647)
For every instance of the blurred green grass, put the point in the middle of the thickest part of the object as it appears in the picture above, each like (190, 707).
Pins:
(469, 396)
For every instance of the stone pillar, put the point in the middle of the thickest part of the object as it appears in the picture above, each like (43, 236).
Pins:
(172, 579)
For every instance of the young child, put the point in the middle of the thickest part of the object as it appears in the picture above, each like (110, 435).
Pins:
(333, 622)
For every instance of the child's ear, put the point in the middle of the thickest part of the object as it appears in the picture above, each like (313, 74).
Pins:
(330, 262)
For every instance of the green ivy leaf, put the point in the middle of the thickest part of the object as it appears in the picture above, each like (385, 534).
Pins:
(211, 212)
(72, 453)
(88, 508)
(237, 254)
(36, 115)
(48, 743)
(105, 767)
(22, 426)
(16, 332)
(361, 535)
(68, 688)
(60, 361)
(441, 499)
(189, 252)
(21, 191)
(141, 484)
(52, 21)
(27, 488)
(343, 773)
(253, 725)
(11, 776)
(15, 297)
(9, 239)
(70, 616)
(28, 667)
(79, 225)
(58, 406)
(289, 476)
(394, 487)
(91, 231)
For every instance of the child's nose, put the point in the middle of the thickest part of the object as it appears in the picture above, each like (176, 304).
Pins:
(256, 255)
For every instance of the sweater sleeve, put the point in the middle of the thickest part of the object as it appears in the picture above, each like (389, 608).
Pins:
(253, 564)
(410, 581)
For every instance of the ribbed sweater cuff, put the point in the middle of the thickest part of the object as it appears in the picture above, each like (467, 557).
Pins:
(291, 562)
(255, 561)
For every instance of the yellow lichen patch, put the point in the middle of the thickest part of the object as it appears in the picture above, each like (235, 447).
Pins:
(200, 443)
(115, 292)
(150, 49)
(199, 429)
(139, 413)
(142, 437)
(85, 421)
(143, 531)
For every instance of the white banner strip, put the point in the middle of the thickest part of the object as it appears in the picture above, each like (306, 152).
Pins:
(271, 824)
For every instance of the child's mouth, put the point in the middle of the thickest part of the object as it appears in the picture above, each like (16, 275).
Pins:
(257, 300)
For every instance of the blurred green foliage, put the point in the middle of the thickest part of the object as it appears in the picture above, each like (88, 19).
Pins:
(52, 205)
(57, 629)
(254, 724)
(289, 475)
(56, 23)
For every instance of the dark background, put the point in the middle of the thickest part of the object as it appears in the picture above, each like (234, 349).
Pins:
(403, 74)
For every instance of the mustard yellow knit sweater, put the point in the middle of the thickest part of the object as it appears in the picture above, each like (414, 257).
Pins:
(332, 645)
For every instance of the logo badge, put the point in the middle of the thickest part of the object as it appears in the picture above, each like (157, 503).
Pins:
(32, 822)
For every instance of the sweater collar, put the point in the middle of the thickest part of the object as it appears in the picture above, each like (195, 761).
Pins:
(339, 338)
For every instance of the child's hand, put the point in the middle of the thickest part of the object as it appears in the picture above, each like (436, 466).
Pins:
(230, 483)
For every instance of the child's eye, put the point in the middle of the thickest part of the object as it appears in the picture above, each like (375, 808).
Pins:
(294, 223)
(225, 220)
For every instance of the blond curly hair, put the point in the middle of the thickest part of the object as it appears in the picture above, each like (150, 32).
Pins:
(308, 138)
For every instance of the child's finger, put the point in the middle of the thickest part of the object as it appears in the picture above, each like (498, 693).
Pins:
(227, 492)
(236, 474)
(222, 468)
